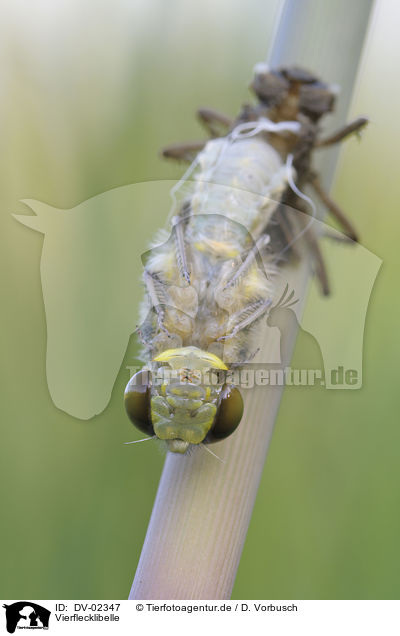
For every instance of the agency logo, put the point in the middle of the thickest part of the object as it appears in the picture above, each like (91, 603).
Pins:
(26, 615)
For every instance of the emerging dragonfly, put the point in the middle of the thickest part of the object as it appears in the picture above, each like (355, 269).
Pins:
(210, 282)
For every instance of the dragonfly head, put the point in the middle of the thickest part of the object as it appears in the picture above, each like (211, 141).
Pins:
(289, 91)
(184, 401)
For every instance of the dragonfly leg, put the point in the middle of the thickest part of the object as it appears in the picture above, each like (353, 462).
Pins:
(347, 130)
(145, 342)
(319, 263)
(250, 358)
(156, 301)
(250, 258)
(247, 316)
(287, 231)
(339, 238)
(179, 236)
(217, 124)
(183, 151)
(333, 207)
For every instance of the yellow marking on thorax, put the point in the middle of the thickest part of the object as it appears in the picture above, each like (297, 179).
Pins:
(223, 249)
(190, 358)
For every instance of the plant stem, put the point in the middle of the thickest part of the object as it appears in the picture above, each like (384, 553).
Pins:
(203, 506)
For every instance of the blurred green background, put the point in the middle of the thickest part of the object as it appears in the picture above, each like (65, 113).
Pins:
(89, 93)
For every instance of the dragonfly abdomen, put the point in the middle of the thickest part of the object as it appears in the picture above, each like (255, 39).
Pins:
(243, 179)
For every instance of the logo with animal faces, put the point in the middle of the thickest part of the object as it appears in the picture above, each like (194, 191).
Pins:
(26, 615)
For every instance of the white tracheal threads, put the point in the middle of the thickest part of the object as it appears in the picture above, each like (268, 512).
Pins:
(301, 195)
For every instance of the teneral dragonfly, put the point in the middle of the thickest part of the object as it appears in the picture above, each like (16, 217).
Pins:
(210, 281)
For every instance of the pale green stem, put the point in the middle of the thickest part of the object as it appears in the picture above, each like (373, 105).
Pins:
(203, 506)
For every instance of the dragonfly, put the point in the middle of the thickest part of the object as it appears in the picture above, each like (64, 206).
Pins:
(209, 281)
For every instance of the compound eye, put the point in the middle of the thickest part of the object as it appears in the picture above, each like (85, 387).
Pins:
(270, 87)
(137, 401)
(316, 100)
(229, 413)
